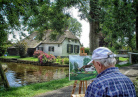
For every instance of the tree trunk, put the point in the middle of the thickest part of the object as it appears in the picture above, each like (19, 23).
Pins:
(136, 25)
(93, 36)
(4, 79)
(94, 25)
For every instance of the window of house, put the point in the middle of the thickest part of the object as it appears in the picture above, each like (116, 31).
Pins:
(40, 48)
(51, 48)
(69, 48)
(75, 41)
(58, 45)
(76, 48)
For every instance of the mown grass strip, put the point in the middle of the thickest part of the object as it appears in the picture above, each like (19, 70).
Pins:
(9, 57)
(123, 59)
(29, 59)
(35, 89)
(18, 57)
(128, 64)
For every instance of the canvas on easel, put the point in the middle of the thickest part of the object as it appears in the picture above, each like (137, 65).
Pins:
(78, 68)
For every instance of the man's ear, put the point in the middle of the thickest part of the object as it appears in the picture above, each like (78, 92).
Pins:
(99, 65)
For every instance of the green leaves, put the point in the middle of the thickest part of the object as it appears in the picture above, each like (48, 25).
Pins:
(74, 27)
(119, 24)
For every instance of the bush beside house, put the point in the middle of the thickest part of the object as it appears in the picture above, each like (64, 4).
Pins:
(44, 58)
(2, 50)
(37, 53)
(22, 48)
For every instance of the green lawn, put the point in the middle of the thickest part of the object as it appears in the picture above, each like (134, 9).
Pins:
(35, 89)
(128, 64)
(123, 59)
(29, 59)
(18, 57)
(10, 57)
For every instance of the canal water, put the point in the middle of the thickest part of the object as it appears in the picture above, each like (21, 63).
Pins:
(23, 74)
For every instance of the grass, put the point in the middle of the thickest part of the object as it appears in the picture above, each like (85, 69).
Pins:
(35, 89)
(29, 59)
(123, 59)
(9, 57)
(128, 64)
(18, 57)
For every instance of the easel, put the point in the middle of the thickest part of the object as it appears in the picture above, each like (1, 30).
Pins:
(82, 83)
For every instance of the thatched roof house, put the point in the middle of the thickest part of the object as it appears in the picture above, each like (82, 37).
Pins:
(63, 44)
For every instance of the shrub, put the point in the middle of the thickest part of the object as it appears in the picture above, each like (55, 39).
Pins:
(22, 48)
(58, 59)
(66, 60)
(61, 61)
(44, 58)
(87, 50)
(37, 53)
(2, 50)
(134, 58)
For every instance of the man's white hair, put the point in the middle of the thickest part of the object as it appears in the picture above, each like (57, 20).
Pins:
(107, 61)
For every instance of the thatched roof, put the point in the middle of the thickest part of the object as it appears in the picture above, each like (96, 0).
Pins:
(33, 43)
(59, 38)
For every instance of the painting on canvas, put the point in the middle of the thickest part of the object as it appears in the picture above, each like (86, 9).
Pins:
(78, 68)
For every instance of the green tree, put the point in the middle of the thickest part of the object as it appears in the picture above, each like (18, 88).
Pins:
(74, 26)
(135, 6)
(119, 23)
(87, 50)
(118, 17)
(91, 11)
(11, 13)
(113, 17)
(51, 15)
(22, 48)
(3, 40)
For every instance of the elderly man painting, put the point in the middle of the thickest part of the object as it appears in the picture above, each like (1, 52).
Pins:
(109, 82)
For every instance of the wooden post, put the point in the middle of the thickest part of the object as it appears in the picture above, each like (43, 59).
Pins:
(5, 82)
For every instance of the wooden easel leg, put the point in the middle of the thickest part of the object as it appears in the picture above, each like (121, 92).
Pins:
(86, 84)
(74, 86)
(80, 87)
(83, 88)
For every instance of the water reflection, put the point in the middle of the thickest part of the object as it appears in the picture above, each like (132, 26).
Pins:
(24, 74)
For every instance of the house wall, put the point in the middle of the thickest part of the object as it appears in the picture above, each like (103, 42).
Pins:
(57, 50)
(64, 47)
